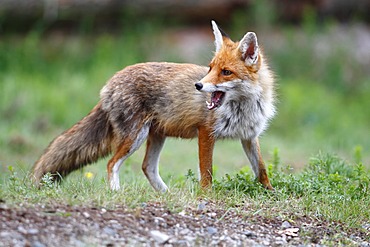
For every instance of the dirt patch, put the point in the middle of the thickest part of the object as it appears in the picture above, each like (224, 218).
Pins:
(152, 224)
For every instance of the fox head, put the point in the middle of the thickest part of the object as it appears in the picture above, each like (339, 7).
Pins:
(234, 67)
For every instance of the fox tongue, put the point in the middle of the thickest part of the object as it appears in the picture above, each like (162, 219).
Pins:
(216, 98)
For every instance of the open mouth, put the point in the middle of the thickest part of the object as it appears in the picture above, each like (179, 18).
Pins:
(216, 100)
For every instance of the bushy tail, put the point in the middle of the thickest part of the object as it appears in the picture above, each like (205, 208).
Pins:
(84, 143)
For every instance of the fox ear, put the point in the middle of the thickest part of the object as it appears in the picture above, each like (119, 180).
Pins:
(248, 46)
(218, 36)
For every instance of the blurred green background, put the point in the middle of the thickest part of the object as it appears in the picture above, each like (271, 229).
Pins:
(55, 56)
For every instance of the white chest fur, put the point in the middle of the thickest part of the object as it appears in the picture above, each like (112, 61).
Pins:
(243, 116)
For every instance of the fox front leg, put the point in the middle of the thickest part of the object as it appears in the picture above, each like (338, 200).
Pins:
(206, 142)
(253, 152)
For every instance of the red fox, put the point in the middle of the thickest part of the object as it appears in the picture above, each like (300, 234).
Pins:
(152, 101)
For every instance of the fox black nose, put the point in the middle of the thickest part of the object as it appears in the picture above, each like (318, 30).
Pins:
(198, 85)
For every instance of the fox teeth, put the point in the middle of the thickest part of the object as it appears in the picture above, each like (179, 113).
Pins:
(210, 105)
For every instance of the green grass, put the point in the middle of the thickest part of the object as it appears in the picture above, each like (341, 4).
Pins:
(329, 189)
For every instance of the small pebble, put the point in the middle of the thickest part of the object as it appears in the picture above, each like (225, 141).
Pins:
(211, 230)
(37, 244)
(33, 231)
(286, 224)
(201, 206)
(249, 234)
(109, 231)
(159, 237)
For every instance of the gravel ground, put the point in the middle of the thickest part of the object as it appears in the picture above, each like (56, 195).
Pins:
(152, 224)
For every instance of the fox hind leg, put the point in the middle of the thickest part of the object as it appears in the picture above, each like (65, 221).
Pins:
(113, 167)
(154, 146)
(127, 147)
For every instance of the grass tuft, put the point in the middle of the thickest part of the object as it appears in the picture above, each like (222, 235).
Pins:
(328, 187)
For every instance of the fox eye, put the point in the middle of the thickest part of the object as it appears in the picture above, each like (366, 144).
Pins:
(226, 72)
